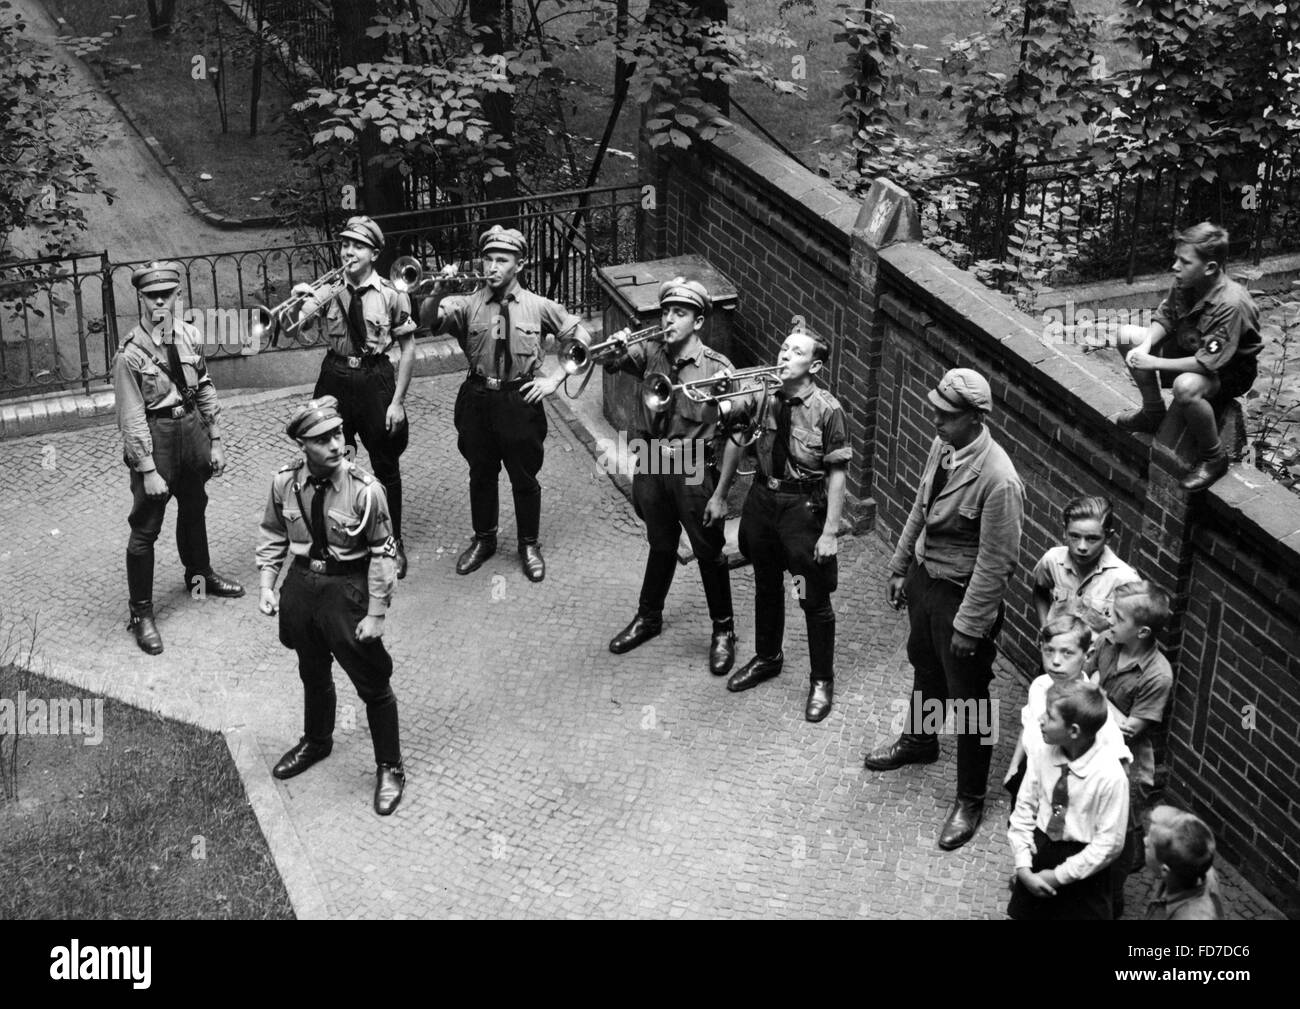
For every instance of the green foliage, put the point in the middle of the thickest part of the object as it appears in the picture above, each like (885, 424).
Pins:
(678, 52)
(46, 128)
(1036, 256)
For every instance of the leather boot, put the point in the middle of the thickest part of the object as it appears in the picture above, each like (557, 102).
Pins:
(820, 693)
(390, 781)
(1205, 473)
(754, 672)
(480, 549)
(303, 754)
(640, 630)
(722, 649)
(1142, 421)
(962, 823)
(401, 558)
(142, 625)
(214, 584)
(530, 558)
(903, 750)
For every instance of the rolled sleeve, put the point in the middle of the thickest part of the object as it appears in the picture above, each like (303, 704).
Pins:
(1221, 338)
(999, 546)
(1164, 317)
(401, 324)
(557, 319)
(835, 439)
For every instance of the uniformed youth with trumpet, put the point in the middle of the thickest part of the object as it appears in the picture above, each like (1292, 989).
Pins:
(499, 414)
(362, 314)
(791, 516)
(168, 413)
(680, 488)
(330, 518)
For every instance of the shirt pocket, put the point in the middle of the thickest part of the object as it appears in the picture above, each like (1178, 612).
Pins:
(525, 339)
(378, 326)
(154, 385)
(337, 524)
(968, 518)
(294, 522)
(806, 448)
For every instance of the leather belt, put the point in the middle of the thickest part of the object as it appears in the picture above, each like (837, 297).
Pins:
(497, 384)
(791, 486)
(365, 361)
(174, 412)
(331, 566)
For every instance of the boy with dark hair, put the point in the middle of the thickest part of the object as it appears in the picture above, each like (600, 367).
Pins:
(1212, 357)
(1069, 820)
(1079, 575)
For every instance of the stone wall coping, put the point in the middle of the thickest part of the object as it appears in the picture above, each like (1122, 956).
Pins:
(832, 209)
(1260, 510)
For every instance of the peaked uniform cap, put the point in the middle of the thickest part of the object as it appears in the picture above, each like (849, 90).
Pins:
(313, 418)
(506, 239)
(363, 229)
(156, 277)
(680, 291)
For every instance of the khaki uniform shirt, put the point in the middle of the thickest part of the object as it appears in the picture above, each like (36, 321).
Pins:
(684, 419)
(1221, 325)
(140, 383)
(819, 433)
(387, 312)
(475, 321)
(357, 524)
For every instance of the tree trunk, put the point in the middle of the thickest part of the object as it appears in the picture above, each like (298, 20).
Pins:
(255, 86)
(381, 188)
(160, 17)
(498, 107)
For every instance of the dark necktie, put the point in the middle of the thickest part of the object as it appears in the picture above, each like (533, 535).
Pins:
(1060, 802)
(356, 322)
(319, 542)
(178, 373)
(940, 480)
(781, 447)
(501, 352)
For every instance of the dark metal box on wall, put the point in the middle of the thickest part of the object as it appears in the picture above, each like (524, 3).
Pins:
(632, 290)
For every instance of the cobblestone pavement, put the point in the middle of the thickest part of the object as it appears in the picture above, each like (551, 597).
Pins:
(547, 777)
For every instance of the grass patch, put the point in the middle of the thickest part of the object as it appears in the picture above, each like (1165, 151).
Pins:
(165, 102)
(111, 831)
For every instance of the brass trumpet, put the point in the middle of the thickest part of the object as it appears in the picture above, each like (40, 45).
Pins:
(577, 357)
(657, 389)
(285, 315)
(407, 275)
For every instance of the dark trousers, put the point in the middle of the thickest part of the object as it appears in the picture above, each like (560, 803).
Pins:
(778, 531)
(319, 614)
(364, 395)
(1084, 900)
(495, 427)
(668, 503)
(182, 455)
(932, 603)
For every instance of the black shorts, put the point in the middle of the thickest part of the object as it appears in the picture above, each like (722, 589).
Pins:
(1235, 378)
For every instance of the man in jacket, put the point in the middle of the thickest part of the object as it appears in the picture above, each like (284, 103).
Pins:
(951, 569)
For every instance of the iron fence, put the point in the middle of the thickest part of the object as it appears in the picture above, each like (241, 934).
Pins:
(61, 320)
(306, 28)
(1115, 224)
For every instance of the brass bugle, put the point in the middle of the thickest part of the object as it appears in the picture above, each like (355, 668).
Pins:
(407, 275)
(657, 389)
(272, 320)
(576, 357)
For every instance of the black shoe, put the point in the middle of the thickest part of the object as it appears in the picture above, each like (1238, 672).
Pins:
(401, 559)
(214, 584)
(903, 750)
(390, 780)
(145, 630)
(530, 557)
(1206, 472)
(479, 551)
(1142, 421)
(962, 823)
(722, 649)
(301, 757)
(754, 672)
(820, 694)
(639, 631)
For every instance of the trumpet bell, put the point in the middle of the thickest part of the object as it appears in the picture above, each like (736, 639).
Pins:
(574, 357)
(265, 324)
(406, 273)
(657, 392)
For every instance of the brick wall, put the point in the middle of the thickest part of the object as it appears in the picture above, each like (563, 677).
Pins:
(900, 316)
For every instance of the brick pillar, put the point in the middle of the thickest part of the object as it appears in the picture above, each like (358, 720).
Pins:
(652, 172)
(1165, 550)
(888, 216)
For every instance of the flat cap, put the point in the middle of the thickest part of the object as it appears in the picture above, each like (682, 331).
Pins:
(313, 418)
(962, 389)
(156, 277)
(680, 291)
(363, 229)
(505, 239)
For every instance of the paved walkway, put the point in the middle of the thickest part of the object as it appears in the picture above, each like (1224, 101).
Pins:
(149, 216)
(547, 777)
